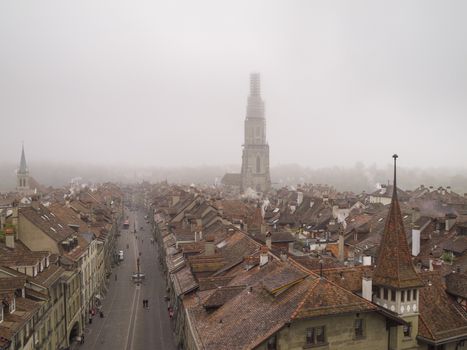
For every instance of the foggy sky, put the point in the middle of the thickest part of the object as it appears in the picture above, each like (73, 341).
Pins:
(157, 83)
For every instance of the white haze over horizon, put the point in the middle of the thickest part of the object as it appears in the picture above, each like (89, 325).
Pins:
(165, 83)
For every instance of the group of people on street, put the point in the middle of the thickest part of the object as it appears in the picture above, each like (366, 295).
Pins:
(146, 303)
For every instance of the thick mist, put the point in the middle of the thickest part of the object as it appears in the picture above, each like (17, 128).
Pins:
(164, 84)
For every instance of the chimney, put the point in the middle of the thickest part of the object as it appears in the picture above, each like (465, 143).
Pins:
(450, 220)
(341, 255)
(299, 198)
(367, 288)
(283, 256)
(263, 256)
(448, 189)
(10, 237)
(366, 260)
(415, 240)
(268, 240)
(209, 247)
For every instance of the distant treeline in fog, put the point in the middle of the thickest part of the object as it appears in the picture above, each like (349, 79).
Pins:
(358, 178)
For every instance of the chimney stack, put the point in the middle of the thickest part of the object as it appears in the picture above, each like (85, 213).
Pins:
(269, 240)
(263, 256)
(341, 246)
(299, 198)
(415, 240)
(367, 288)
(366, 260)
(10, 237)
(209, 248)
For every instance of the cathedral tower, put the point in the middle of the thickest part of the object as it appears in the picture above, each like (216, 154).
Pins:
(22, 175)
(255, 157)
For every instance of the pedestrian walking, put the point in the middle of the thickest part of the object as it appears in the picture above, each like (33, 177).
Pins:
(147, 304)
(144, 303)
(82, 339)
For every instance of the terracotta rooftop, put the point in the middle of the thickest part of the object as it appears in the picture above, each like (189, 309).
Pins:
(439, 317)
(456, 284)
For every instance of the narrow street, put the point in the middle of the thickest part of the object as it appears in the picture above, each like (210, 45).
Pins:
(126, 325)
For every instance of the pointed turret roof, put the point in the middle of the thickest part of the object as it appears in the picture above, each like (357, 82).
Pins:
(23, 168)
(394, 266)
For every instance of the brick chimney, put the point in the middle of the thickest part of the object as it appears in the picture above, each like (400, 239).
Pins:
(341, 254)
(10, 237)
(269, 240)
(263, 256)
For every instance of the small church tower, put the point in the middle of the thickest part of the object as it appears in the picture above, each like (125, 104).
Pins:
(22, 175)
(396, 284)
(255, 157)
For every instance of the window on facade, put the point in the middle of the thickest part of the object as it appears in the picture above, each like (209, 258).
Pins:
(272, 343)
(408, 295)
(393, 295)
(315, 336)
(402, 296)
(378, 293)
(358, 327)
(386, 294)
(258, 165)
(414, 294)
(407, 330)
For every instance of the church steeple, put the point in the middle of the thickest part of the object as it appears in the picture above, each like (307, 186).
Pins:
(394, 267)
(396, 284)
(23, 169)
(22, 175)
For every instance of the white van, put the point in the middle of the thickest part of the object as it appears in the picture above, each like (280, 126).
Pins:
(120, 255)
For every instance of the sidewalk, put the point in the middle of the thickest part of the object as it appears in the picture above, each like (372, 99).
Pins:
(93, 330)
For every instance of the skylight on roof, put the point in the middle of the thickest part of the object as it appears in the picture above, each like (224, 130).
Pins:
(53, 229)
(60, 226)
(380, 219)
